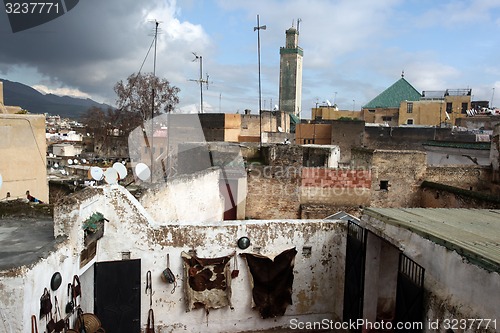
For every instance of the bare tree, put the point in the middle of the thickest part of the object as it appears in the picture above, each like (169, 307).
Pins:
(139, 91)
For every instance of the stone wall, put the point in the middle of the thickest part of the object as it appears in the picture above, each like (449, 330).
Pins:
(475, 178)
(273, 192)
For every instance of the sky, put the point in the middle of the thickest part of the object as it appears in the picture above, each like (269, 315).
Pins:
(353, 49)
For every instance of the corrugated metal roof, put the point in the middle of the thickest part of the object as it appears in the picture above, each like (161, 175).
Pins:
(392, 97)
(473, 233)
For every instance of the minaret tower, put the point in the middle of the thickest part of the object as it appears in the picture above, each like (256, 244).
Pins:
(291, 73)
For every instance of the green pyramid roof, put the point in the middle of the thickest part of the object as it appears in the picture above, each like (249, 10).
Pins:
(392, 97)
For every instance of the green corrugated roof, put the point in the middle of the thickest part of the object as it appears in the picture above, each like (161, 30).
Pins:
(473, 233)
(392, 97)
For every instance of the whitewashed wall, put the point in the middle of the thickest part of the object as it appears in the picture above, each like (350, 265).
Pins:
(318, 285)
(455, 288)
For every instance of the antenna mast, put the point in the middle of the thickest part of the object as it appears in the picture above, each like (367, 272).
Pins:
(200, 80)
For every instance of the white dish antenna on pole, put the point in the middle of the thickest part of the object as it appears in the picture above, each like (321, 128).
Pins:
(142, 171)
(121, 169)
(111, 176)
(96, 173)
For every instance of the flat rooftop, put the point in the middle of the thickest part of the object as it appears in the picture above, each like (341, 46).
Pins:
(472, 233)
(24, 240)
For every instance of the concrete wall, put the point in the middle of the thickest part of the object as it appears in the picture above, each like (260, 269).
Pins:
(313, 133)
(23, 156)
(331, 113)
(447, 296)
(186, 199)
(347, 134)
(466, 177)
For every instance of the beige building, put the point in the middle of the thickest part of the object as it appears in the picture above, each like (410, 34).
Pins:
(332, 113)
(436, 107)
(5, 109)
(22, 154)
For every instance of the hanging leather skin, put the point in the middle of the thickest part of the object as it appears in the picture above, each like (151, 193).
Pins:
(150, 328)
(51, 324)
(45, 303)
(70, 306)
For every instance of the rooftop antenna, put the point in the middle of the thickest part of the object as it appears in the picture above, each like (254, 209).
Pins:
(200, 80)
(298, 24)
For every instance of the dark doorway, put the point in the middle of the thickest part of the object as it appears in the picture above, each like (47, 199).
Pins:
(410, 294)
(117, 300)
(229, 188)
(354, 272)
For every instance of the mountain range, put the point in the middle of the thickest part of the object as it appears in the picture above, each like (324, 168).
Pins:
(18, 94)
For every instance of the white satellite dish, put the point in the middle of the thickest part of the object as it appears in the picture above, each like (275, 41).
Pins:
(276, 107)
(280, 129)
(142, 171)
(96, 173)
(121, 169)
(70, 162)
(75, 161)
(51, 155)
(111, 176)
(84, 161)
(56, 165)
(63, 172)
(447, 115)
(328, 103)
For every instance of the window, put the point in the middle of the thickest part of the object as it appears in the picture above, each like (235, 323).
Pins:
(371, 110)
(386, 118)
(409, 121)
(449, 107)
(384, 185)
(465, 106)
(409, 108)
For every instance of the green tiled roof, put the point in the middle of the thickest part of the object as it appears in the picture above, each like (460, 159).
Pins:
(472, 233)
(392, 97)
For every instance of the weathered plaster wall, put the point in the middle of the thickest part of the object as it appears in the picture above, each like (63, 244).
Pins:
(447, 296)
(466, 177)
(187, 198)
(130, 229)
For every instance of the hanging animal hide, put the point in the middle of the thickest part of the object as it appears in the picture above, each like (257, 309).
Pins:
(272, 282)
(207, 282)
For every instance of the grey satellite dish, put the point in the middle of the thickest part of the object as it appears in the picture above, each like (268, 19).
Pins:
(70, 162)
(142, 171)
(96, 173)
(111, 176)
(121, 169)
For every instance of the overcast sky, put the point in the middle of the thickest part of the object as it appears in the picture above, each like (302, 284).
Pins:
(353, 49)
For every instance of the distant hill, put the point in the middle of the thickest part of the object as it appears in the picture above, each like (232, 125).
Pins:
(18, 94)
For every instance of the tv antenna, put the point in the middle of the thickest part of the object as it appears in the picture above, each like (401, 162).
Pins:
(200, 80)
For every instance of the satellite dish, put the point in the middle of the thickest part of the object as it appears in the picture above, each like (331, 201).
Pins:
(56, 165)
(84, 161)
(75, 161)
(70, 162)
(96, 173)
(121, 169)
(111, 176)
(276, 107)
(51, 155)
(63, 172)
(280, 129)
(328, 103)
(142, 171)
(447, 115)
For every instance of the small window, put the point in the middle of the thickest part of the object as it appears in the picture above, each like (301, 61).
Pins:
(409, 108)
(386, 118)
(384, 185)
(371, 110)
(409, 121)
(465, 106)
(449, 107)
